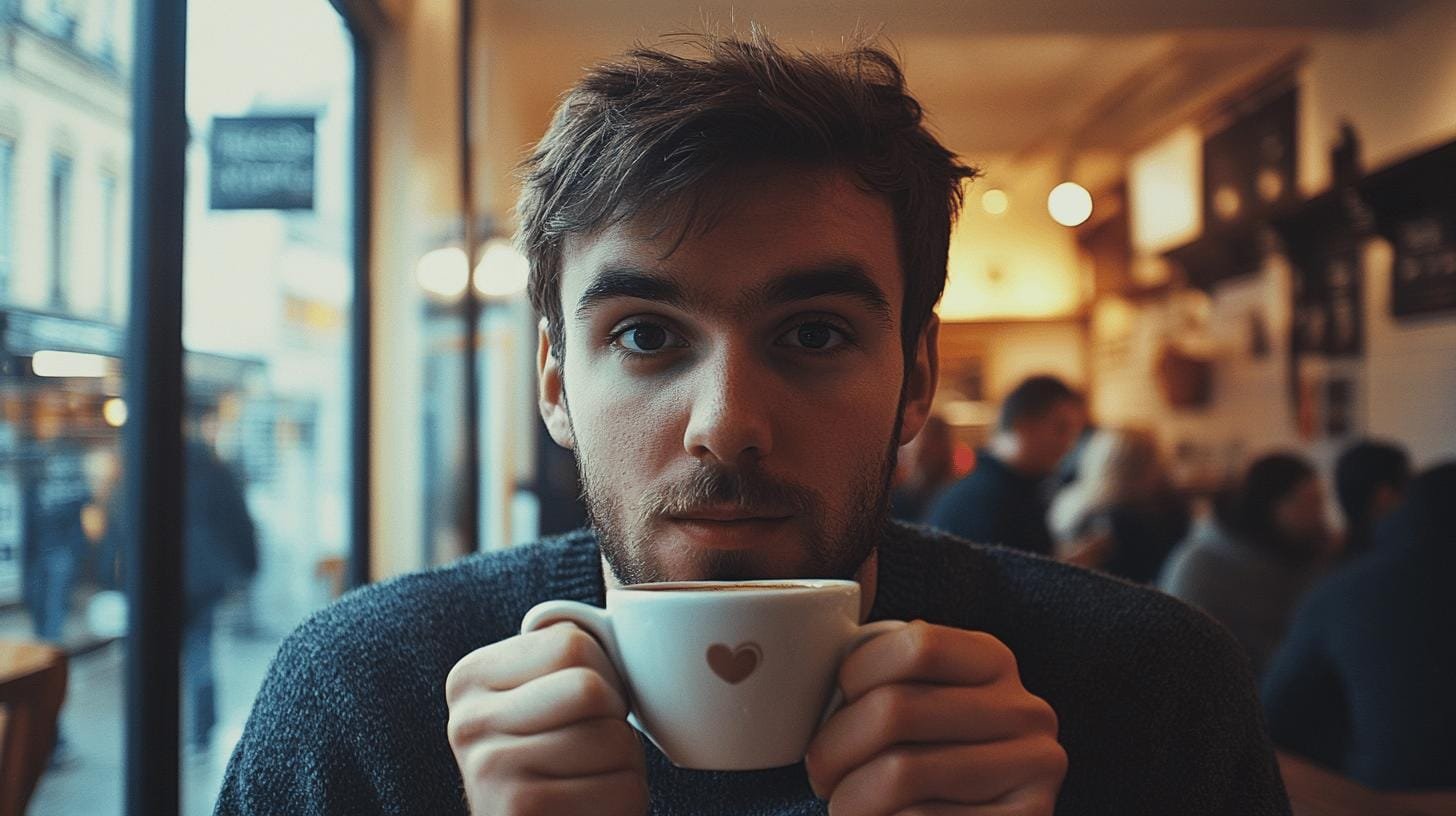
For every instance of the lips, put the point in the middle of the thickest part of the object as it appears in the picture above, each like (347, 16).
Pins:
(734, 529)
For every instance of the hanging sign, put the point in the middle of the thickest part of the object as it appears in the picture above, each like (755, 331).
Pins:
(262, 163)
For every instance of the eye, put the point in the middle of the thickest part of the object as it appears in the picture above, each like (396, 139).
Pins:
(815, 335)
(645, 338)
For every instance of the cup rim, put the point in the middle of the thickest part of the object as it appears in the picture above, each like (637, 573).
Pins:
(747, 588)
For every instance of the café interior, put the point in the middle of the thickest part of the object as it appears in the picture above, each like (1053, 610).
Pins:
(1230, 227)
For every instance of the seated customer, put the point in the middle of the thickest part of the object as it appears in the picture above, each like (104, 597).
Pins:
(1365, 683)
(927, 465)
(1003, 500)
(1249, 566)
(736, 254)
(1121, 514)
(1370, 480)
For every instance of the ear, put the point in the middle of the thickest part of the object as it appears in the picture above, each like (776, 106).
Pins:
(551, 390)
(921, 380)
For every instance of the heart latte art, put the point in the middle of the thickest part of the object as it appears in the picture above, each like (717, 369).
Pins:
(736, 664)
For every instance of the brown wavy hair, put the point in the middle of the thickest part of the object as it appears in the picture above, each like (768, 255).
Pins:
(648, 134)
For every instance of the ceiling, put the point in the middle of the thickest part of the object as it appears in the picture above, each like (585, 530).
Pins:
(1001, 81)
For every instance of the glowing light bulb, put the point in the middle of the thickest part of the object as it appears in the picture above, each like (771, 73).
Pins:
(443, 272)
(995, 202)
(1069, 204)
(502, 270)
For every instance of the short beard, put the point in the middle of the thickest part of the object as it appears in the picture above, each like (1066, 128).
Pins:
(836, 546)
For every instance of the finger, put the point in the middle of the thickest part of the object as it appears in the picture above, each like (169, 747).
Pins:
(968, 774)
(517, 660)
(620, 793)
(925, 653)
(544, 704)
(919, 713)
(583, 749)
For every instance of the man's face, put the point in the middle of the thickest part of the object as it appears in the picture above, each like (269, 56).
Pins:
(733, 400)
(1300, 515)
(1048, 438)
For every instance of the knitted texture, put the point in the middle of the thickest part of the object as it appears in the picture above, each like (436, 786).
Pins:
(1157, 707)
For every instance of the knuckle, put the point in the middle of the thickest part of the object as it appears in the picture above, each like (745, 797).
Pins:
(486, 764)
(889, 709)
(897, 773)
(590, 690)
(575, 648)
(521, 799)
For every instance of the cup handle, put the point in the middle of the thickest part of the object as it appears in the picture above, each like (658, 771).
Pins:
(865, 633)
(596, 622)
(593, 620)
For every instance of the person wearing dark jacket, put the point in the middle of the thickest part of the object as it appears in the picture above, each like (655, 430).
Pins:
(221, 553)
(1003, 499)
(1370, 478)
(1364, 681)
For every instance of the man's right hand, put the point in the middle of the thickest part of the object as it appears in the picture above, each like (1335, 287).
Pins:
(538, 726)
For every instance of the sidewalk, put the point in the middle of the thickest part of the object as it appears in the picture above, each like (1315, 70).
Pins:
(88, 780)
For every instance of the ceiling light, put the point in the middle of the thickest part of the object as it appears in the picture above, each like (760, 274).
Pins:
(1069, 204)
(995, 201)
(443, 272)
(502, 270)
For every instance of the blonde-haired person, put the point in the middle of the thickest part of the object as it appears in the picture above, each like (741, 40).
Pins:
(1121, 515)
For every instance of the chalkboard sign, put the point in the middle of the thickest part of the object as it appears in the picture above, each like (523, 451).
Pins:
(1424, 277)
(262, 163)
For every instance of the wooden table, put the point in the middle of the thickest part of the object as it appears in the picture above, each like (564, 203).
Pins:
(1314, 791)
(32, 687)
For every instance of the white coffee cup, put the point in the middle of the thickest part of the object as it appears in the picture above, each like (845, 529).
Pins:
(725, 676)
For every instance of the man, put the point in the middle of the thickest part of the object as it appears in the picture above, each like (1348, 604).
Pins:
(1362, 683)
(736, 256)
(1003, 500)
(1370, 480)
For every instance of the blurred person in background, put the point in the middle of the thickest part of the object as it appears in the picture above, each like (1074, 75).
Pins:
(222, 555)
(1365, 683)
(220, 545)
(927, 466)
(1121, 514)
(1370, 479)
(1249, 565)
(55, 536)
(1002, 501)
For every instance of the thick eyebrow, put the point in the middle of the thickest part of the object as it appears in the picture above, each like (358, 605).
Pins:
(840, 278)
(628, 282)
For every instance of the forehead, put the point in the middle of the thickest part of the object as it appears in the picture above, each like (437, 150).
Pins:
(751, 229)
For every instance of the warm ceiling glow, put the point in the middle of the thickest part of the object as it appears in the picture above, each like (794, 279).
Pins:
(995, 201)
(502, 270)
(442, 272)
(67, 364)
(114, 412)
(1069, 204)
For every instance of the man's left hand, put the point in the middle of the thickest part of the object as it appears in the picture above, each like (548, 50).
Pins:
(936, 722)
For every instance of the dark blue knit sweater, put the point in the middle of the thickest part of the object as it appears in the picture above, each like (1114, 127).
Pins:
(1156, 703)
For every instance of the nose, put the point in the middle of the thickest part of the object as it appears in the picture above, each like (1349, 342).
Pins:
(730, 417)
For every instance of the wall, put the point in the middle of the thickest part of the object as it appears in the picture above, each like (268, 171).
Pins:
(1397, 85)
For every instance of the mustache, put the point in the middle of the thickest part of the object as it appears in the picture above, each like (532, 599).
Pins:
(747, 489)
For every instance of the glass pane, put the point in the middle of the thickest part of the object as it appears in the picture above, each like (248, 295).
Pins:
(65, 164)
(268, 294)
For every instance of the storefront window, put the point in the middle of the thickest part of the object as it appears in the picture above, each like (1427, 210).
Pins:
(269, 298)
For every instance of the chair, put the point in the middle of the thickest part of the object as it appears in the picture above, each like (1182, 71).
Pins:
(32, 687)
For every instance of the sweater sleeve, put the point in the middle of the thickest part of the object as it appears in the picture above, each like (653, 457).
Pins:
(300, 753)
